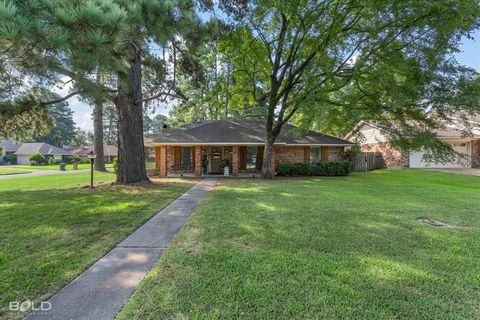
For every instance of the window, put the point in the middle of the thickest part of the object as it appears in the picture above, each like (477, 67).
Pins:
(315, 155)
(150, 158)
(186, 157)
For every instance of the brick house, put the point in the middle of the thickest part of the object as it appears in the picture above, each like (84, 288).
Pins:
(372, 139)
(199, 148)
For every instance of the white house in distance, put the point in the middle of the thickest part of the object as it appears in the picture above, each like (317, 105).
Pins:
(371, 139)
(8, 146)
(27, 149)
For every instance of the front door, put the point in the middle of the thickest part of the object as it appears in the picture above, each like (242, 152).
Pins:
(215, 159)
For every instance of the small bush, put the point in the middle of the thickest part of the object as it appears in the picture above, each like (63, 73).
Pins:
(330, 168)
(294, 169)
(1, 161)
(37, 158)
(115, 165)
(333, 168)
(52, 161)
(10, 159)
(76, 159)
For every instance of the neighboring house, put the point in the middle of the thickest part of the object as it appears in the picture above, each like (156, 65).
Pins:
(109, 151)
(27, 149)
(371, 139)
(199, 148)
(8, 146)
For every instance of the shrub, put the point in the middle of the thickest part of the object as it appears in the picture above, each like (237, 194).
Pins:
(333, 168)
(294, 169)
(330, 168)
(52, 161)
(10, 159)
(37, 158)
(76, 159)
(1, 161)
(115, 165)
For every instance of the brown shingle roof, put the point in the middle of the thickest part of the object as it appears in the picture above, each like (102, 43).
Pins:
(239, 132)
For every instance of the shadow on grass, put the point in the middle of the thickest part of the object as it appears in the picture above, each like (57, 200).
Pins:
(47, 237)
(323, 248)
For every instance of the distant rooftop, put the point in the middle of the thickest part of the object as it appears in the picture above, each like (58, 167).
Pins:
(43, 148)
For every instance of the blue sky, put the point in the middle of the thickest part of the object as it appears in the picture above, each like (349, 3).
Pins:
(469, 56)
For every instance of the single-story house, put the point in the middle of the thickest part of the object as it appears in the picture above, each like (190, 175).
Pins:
(27, 149)
(200, 148)
(371, 139)
(109, 151)
(8, 146)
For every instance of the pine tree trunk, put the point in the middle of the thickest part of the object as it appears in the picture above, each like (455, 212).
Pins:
(99, 163)
(267, 170)
(131, 155)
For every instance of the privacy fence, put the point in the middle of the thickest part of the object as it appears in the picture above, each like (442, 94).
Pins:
(367, 161)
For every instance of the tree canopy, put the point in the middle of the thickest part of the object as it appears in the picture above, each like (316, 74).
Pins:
(324, 62)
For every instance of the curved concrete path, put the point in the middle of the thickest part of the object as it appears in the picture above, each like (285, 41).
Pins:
(100, 292)
(38, 172)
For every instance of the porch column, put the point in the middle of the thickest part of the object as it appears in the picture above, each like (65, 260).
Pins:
(198, 160)
(235, 160)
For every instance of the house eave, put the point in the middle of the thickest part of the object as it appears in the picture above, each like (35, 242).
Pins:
(156, 144)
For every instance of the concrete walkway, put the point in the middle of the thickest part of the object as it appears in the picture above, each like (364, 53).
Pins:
(38, 172)
(100, 292)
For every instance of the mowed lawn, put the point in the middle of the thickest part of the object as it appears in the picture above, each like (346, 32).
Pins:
(57, 167)
(324, 248)
(52, 229)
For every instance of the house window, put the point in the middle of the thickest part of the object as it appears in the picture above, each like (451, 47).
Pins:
(315, 155)
(150, 158)
(186, 157)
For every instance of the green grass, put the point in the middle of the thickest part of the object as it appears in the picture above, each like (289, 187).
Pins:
(12, 171)
(52, 229)
(57, 167)
(323, 248)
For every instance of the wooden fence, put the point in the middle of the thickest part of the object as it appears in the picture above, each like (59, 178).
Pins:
(367, 161)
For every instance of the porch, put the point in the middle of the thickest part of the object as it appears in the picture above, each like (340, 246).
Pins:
(198, 160)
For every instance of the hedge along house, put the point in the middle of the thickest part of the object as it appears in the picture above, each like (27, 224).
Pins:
(201, 148)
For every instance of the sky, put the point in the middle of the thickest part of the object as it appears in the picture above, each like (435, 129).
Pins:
(469, 56)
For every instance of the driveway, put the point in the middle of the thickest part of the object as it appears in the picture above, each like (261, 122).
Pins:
(466, 171)
(38, 172)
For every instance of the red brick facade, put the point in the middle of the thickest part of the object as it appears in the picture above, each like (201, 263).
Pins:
(168, 156)
(476, 153)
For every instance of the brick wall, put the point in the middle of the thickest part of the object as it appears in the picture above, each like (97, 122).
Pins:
(335, 153)
(476, 153)
(288, 154)
(392, 157)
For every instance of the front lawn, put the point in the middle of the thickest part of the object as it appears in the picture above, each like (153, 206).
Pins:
(57, 167)
(331, 248)
(52, 229)
(12, 171)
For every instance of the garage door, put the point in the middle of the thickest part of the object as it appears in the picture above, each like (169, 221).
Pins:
(416, 159)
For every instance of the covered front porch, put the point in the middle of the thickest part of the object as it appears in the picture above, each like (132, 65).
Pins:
(208, 160)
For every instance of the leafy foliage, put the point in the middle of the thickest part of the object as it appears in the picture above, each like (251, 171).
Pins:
(37, 158)
(327, 168)
(328, 64)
